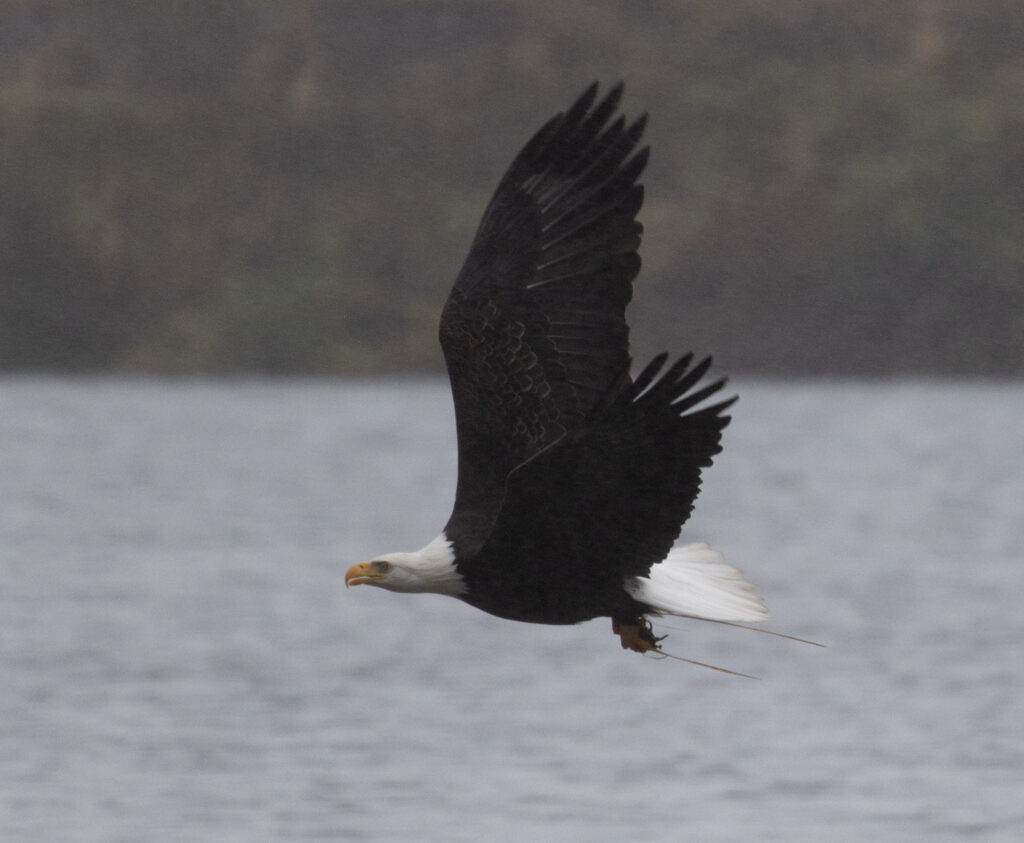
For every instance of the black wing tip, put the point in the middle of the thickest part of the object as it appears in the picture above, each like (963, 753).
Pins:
(612, 99)
(638, 126)
(583, 108)
(648, 374)
(587, 108)
(582, 104)
(583, 124)
(613, 95)
(674, 386)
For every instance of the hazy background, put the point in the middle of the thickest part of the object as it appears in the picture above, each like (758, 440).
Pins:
(835, 188)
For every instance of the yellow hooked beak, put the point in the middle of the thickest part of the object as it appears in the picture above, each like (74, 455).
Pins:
(364, 573)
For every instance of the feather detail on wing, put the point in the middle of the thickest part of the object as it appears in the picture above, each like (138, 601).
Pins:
(653, 441)
(534, 331)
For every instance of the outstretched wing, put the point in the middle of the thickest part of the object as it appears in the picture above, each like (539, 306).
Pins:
(534, 331)
(608, 501)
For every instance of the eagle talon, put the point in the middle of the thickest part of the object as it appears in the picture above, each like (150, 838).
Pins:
(637, 636)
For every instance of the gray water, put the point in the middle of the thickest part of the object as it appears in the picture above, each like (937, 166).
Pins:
(180, 660)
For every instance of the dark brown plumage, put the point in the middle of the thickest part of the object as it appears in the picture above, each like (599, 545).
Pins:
(573, 479)
(569, 476)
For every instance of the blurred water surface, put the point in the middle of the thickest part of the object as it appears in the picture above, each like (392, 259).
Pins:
(180, 659)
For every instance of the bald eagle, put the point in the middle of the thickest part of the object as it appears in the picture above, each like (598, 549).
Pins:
(574, 478)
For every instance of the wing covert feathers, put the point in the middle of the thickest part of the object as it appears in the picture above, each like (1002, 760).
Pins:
(620, 488)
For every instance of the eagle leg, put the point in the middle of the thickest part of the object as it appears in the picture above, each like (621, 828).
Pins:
(636, 635)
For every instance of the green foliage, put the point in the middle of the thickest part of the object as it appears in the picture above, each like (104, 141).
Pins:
(836, 186)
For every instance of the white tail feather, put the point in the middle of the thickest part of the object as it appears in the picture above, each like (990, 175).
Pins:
(696, 581)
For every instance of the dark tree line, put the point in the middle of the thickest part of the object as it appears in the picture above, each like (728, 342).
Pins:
(835, 187)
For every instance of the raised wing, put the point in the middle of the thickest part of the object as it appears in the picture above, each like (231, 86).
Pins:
(618, 490)
(534, 331)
